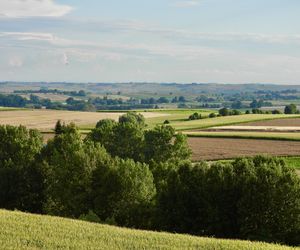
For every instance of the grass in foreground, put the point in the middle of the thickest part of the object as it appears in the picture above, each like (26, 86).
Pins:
(25, 231)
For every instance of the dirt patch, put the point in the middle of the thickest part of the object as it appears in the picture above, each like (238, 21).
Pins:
(288, 122)
(46, 119)
(221, 148)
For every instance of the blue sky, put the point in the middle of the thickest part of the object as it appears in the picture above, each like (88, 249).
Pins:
(226, 41)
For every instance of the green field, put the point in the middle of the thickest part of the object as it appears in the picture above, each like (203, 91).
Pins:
(246, 135)
(175, 116)
(25, 231)
(226, 120)
(10, 109)
(293, 162)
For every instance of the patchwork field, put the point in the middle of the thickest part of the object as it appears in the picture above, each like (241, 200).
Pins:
(225, 148)
(207, 145)
(288, 122)
(45, 120)
(225, 121)
(26, 231)
(246, 135)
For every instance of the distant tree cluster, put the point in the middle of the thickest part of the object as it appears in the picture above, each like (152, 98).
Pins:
(195, 116)
(162, 100)
(291, 109)
(228, 112)
(80, 93)
(126, 175)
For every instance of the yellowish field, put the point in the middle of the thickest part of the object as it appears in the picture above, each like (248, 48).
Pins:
(45, 120)
(26, 231)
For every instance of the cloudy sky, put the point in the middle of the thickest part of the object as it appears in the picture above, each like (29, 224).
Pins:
(227, 41)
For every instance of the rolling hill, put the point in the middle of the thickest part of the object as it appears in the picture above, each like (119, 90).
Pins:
(25, 231)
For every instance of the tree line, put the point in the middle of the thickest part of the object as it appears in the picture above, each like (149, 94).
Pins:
(125, 174)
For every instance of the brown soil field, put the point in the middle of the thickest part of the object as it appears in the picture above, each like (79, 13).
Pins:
(45, 120)
(223, 148)
(288, 122)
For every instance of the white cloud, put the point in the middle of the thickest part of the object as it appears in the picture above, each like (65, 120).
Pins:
(24, 36)
(15, 62)
(185, 4)
(32, 8)
(65, 59)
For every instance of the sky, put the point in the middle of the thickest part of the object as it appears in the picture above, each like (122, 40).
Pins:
(184, 41)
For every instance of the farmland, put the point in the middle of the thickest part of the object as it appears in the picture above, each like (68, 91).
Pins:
(288, 122)
(245, 135)
(209, 145)
(178, 121)
(45, 120)
(26, 231)
(228, 148)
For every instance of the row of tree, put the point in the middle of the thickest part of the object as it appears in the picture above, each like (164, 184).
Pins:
(126, 175)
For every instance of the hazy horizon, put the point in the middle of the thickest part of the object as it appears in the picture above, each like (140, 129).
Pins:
(161, 41)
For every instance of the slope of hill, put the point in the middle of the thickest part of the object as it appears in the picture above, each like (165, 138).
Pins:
(25, 231)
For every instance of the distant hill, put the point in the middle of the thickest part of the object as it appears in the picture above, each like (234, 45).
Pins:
(150, 88)
(26, 231)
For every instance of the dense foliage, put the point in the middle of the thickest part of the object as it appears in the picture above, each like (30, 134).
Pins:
(125, 174)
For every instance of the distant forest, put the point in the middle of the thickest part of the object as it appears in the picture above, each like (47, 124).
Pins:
(131, 96)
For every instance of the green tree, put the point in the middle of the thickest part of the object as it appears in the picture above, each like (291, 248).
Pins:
(128, 140)
(123, 191)
(256, 199)
(103, 133)
(124, 138)
(290, 109)
(133, 118)
(69, 163)
(163, 144)
(224, 112)
(195, 116)
(58, 127)
(21, 182)
(269, 208)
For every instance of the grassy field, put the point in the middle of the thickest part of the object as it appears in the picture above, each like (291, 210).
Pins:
(174, 116)
(226, 120)
(246, 135)
(10, 109)
(293, 162)
(26, 231)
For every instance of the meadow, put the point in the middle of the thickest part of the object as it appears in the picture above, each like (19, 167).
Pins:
(25, 231)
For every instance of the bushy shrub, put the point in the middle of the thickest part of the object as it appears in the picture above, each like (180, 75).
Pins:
(276, 112)
(195, 116)
(290, 109)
